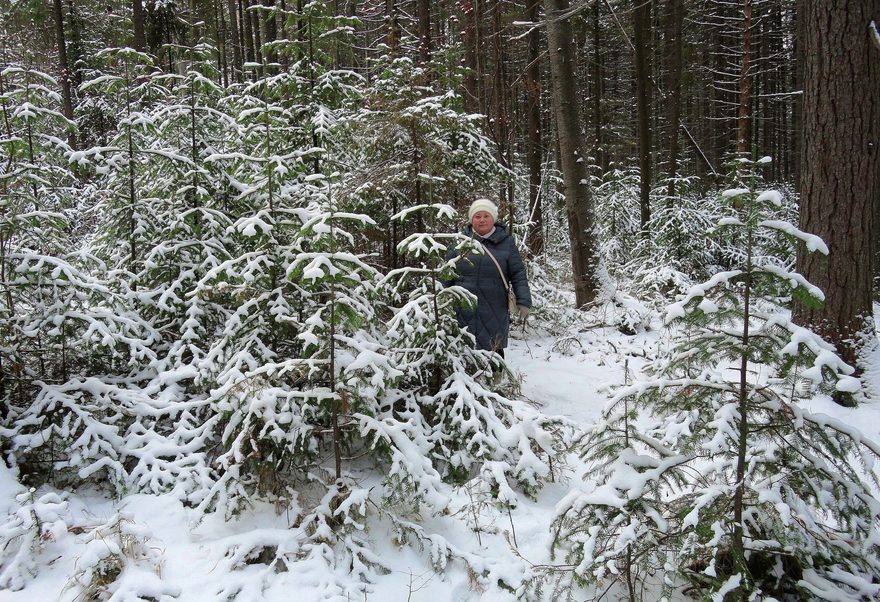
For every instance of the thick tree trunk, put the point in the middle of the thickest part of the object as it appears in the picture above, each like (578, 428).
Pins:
(535, 236)
(578, 200)
(598, 77)
(642, 28)
(744, 116)
(472, 97)
(236, 42)
(840, 175)
(392, 25)
(673, 26)
(137, 21)
(247, 35)
(424, 15)
(499, 115)
(63, 68)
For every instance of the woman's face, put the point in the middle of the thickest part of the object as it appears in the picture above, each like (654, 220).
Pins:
(482, 222)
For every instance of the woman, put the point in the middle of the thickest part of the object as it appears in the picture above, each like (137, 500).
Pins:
(489, 322)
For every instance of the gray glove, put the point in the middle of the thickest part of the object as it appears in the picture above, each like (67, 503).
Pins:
(523, 312)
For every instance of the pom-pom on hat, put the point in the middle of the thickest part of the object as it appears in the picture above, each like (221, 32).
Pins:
(483, 205)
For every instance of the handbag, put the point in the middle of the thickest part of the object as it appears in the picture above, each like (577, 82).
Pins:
(511, 296)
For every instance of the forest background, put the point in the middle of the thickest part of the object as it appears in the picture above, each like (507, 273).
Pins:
(224, 224)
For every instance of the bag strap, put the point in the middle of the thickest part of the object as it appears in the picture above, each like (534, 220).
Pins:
(497, 265)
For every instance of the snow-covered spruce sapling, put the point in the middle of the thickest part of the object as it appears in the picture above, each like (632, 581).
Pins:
(284, 414)
(711, 473)
(36, 193)
(191, 210)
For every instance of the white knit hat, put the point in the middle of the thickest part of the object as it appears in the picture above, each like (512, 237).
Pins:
(483, 205)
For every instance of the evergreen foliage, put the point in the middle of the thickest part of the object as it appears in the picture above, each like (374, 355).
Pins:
(711, 470)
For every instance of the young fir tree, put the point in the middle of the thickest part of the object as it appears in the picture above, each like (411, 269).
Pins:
(36, 195)
(108, 418)
(711, 472)
(57, 324)
(191, 205)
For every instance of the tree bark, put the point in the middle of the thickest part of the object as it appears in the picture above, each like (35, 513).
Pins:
(472, 96)
(424, 15)
(392, 26)
(598, 77)
(673, 26)
(236, 41)
(840, 175)
(642, 28)
(137, 21)
(64, 69)
(535, 236)
(744, 116)
(578, 199)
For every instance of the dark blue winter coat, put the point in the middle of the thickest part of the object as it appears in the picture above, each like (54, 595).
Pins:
(490, 322)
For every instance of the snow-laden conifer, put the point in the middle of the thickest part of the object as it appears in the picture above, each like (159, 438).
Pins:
(37, 194)
(59, 320)
(711, 471)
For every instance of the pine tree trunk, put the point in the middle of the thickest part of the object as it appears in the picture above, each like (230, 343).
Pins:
(250, 51)
(472, 98)
(598, 75)
(840, 174)
(137, 21)
(798, 108)
(673, 25)
(578, 200)
(392, 26)
(424, 15)
(535, 236)
(64, 68)
(236, 42)
(744, 116)
(642, 27)
(500, 116)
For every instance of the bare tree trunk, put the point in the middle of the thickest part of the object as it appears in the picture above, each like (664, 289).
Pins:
(745, 83)
(137, 20)
(673, 26)
(254, 18)
(472, 97)
(797, 110)
(268, 31)
(578, 199)
(499, 116)
(250, 52)
(598, 75)
(533, 93)
(642, 28)
(64, 69)
(840, 175)
(236, 42)
(393, 26)
(424, 15)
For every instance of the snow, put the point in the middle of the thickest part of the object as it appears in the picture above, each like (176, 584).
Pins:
(813, 242)
(172, 555)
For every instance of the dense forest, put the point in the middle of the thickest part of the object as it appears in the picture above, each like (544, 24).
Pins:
(225, 224)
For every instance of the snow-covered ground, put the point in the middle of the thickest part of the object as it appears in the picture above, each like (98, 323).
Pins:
(184, 561)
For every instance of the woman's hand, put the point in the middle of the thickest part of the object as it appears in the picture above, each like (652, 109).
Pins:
(523, 312)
